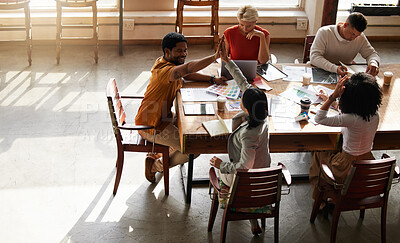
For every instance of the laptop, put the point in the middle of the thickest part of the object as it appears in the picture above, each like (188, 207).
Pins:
(248, 68)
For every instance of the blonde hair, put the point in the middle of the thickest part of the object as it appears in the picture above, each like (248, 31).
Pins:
(247, 13)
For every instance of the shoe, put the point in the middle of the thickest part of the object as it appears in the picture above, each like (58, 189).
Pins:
(150, 176)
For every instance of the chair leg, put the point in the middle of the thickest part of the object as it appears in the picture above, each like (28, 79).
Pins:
(28, 29)
(95, 33)
(58, 35)
(213, 211)
(383, 222)
(224, 226)
(181, 18)
(316, 205)
(120, 165)
(263, 224)
(165, 158)
(362, 213)
(335, 222)
(216, 25)
(177, 19)
(276, 227)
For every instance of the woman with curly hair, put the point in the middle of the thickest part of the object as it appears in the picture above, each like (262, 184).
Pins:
(359, 100)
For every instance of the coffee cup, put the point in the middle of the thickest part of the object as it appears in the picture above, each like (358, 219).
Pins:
(306, 79)
(387, 77)
(221, 103)
(305, 105)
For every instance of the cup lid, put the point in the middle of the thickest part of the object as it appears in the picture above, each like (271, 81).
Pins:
(388, 73)
(305, 100)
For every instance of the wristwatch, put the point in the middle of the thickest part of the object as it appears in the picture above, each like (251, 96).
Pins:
(212, 79)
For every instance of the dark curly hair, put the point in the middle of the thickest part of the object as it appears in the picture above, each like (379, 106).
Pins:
(357, 21)
(362, 96)
(255, 101)
(169, 41)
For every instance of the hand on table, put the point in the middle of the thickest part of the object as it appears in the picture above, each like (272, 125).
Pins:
(216, 162)
(341, 70)
(372, 69)
(220, 80)
(322, 94)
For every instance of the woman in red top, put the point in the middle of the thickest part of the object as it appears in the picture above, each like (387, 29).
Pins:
(247, 41)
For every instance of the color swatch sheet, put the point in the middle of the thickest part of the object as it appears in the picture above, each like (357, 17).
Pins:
(230, 90)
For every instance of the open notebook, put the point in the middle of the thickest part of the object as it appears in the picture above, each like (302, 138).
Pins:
(218, 127)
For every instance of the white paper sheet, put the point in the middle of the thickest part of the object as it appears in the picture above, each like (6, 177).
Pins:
(197, 94)
(295, 73)
(295, 94)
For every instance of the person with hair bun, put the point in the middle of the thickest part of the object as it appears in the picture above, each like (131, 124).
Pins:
(247, 41)
(359, 100)
(248, 145)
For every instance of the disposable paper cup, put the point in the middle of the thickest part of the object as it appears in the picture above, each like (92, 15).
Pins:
(306, 79)
(305, 105)
(387, 78)
(221, 103)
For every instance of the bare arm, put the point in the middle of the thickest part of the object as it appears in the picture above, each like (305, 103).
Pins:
(204, 78)
(191, 67)
(263, 50)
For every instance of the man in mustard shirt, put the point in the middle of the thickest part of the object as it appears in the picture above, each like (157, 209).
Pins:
(155, 109)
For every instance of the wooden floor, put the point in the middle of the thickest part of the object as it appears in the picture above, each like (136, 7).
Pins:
(57, 160)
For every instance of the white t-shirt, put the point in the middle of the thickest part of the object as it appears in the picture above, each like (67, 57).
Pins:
(329, 48)
(358, 134)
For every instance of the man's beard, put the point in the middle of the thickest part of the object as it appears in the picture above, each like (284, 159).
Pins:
(176, 62)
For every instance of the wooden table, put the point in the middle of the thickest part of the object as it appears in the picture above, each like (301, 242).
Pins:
(195, 139)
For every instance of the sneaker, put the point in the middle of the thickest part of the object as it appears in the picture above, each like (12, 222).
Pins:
(150, 176)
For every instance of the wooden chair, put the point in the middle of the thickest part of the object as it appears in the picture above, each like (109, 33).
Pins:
(20, 4)
(250, 189)
(367, 186)
(60, 26)
(214, 22)
(307, 46)
(127, 137)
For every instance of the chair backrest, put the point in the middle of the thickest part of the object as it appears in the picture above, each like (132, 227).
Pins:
(199, 2)
(117, 112)
(10, 2)
(77, 3)
(13, 4)
(369, 178)
(256, 187)
(307, 46)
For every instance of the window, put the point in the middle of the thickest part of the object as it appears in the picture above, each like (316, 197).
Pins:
(52, 3)
(346, 4)
(260, 3)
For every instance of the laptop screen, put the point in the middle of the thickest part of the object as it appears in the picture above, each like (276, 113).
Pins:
(248, 68)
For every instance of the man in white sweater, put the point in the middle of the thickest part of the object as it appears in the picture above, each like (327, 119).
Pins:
(341, 43)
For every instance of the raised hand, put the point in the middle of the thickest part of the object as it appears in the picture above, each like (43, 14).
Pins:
(339, 89)
(223, 53)
(216, 162)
